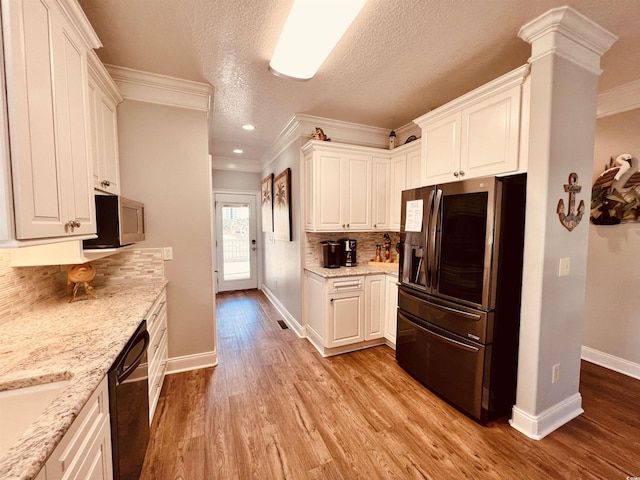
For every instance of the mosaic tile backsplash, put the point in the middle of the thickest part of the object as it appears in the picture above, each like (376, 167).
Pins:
(23, 287)
(366, 244)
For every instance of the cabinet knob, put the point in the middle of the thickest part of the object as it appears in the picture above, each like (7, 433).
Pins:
(348, 225)
(455, 174)
(462, 173)
(75, 223)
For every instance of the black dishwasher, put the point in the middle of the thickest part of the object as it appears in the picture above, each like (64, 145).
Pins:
(129, 406)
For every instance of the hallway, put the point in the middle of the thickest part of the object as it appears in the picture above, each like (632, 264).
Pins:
(274, 408)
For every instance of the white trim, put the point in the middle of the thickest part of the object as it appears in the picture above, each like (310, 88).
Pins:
(229, 164)
(101, 75)
(611, 362)
(567, 33)
(192, 362)
(539, 426)
(619, 99)
(74, 13)
(300, 128)
(161, 89)
(289, 319)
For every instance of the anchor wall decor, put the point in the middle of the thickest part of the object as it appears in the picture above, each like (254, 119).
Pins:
(572, 220)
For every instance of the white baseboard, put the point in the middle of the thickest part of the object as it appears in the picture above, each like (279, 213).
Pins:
(539, 426)
(611, 362)
(289, 319)
(192, 362)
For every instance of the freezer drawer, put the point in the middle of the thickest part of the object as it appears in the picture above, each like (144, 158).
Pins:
(449, 365)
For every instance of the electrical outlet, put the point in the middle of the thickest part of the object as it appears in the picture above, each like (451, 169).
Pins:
(555, 375)
(167, 253)
(565, 267)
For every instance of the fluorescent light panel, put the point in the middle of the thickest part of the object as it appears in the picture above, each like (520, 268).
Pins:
(311, 32)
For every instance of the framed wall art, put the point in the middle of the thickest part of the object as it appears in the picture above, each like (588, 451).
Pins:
(282, 206)
(267, 203)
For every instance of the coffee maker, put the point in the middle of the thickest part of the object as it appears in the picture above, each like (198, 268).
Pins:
(331, 254)
(348, 252)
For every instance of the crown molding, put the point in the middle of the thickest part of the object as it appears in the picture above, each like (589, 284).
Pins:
(74, 13)
(161, 89)
(101, 76)
(301, 126)
(619, 99)
(567, 33)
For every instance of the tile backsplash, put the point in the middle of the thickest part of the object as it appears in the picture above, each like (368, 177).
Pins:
(23, 287)
(366, 244)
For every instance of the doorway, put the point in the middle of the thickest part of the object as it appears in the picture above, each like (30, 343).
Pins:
(236, 242)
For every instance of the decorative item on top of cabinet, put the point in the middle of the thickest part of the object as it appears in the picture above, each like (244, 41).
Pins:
(49, 172)
(392, 140)
(318, 134)
(104, 98)
(615, 196)
(477, 134)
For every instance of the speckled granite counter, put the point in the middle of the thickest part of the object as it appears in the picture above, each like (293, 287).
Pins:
(363, 269)
(66, 341)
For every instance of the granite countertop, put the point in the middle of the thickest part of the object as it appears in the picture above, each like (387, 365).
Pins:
(58, 340)
(360, 269)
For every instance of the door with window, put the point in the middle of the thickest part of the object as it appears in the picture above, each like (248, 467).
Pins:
(236, 242)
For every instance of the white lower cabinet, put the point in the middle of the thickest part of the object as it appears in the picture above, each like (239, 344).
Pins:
(374, 306)
(346, 313)
(157, 351)
(391, 309)
(85, 450)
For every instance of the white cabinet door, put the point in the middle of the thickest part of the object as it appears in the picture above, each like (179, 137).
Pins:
(374, 293)
(398, 183)
(309, 192)
(103, 100)
(441, 147)
(331, 186)
(490, 134)
(391, 308)
(356, 197)
(345, 319)
(381, 194)
(414, 168)
(47, 101)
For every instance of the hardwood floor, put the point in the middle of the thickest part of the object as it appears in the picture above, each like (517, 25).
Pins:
(274, 408)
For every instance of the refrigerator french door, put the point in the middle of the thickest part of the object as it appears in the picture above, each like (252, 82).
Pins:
(459, 294)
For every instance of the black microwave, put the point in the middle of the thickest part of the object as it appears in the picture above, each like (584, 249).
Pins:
(119, 220)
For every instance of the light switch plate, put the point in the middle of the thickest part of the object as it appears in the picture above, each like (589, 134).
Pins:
(167, 253)
(564, 267)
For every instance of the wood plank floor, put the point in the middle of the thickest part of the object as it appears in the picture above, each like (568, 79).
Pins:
(275, 409)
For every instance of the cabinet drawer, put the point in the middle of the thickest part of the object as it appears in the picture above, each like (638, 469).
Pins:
(70, 450)
(156, 376)
(345, 284)
(155, 336)
(154, 313)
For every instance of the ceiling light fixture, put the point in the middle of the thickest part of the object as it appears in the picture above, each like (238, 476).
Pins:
(311, 32)
(237, 150)
(249, 127)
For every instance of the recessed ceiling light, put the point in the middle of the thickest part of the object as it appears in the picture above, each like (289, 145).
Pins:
(248, 126)
(237, 150)
(311, 31)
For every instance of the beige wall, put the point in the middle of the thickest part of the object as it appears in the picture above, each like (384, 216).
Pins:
(282, 259)
(234, 180)
(612, 313)
(164, 163)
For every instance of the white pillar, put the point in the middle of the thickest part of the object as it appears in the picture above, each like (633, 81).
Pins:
(565, 67)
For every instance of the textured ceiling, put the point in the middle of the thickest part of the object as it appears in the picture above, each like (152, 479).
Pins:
(400, 58)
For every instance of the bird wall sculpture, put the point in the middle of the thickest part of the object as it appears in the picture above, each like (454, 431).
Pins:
(615, 196)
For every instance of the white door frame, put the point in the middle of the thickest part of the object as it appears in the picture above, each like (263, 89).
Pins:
(257, 225)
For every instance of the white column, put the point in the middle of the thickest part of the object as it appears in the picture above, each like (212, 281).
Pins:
(565, 67)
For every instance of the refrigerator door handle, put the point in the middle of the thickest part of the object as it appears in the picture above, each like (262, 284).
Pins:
(433, 224)
(428, 264)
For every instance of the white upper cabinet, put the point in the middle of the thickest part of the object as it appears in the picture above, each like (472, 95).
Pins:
(380, 194)
(104, 98)
(338, 187)
(51, 181)
(405, 172)
(477, 134)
